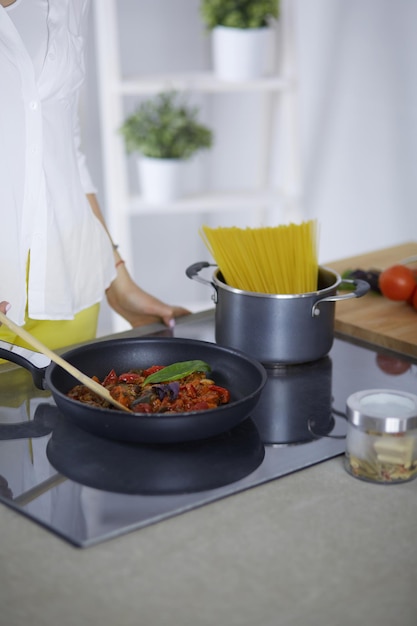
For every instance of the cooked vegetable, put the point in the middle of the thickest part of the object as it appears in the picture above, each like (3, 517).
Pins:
(177, 388)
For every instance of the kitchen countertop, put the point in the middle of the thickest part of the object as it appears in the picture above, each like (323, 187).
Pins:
(310, 548)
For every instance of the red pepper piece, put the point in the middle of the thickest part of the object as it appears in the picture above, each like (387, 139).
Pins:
(130, 377)
(224, 394)
(110, 379)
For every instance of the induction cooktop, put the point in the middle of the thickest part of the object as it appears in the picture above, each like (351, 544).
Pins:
(86, 489)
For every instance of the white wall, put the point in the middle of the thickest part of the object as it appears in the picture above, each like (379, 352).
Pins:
(358, 109)
(357, 79)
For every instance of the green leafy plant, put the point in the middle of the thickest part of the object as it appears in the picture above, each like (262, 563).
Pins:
(239, 13)
(165, 127)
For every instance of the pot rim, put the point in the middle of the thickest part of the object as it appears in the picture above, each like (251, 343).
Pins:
(282, 296)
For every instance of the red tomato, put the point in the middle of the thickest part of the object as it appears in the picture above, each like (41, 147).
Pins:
(397, 282)
(410, 299)
(414, 299)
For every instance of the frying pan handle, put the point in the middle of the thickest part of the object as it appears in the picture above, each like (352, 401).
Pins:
(361, 288)
(35, 362)
(193, 272)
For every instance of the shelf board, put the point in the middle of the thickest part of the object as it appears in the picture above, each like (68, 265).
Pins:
(201, 81)
(207, 203)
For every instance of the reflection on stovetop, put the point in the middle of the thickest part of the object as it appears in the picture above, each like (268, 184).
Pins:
(155, 469)
(296, 403)
(44, 420)
(87, 489)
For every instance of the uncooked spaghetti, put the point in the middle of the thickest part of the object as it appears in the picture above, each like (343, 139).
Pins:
(272, 259)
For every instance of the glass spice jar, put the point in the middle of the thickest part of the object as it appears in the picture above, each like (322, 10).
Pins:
(381, 440)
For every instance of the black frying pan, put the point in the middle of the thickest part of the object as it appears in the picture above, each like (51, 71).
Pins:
(243, 376)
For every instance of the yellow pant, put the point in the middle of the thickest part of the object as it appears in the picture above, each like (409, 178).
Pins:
(58, 333)
(16, 385)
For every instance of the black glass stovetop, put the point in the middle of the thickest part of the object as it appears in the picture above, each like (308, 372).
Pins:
(86, 489)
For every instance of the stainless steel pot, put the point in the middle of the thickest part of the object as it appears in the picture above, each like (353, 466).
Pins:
(277, 328)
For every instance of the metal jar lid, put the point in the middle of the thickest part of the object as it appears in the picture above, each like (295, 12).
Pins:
(382, 410)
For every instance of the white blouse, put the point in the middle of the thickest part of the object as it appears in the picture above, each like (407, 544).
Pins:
(43, 175)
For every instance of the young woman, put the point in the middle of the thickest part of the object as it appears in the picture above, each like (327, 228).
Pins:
(57, 259)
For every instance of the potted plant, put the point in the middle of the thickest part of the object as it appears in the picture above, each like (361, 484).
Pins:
(241, 36)
(165, 131)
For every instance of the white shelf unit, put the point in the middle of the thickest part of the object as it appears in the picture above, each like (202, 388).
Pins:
(203, 81)
(208, 203)
(113, 88)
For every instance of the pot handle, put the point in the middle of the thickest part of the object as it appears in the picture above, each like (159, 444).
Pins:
(310, 426)
(35, 362)
(193, 270)
(361, 288)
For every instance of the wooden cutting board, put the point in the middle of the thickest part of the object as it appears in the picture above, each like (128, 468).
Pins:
(373, 318)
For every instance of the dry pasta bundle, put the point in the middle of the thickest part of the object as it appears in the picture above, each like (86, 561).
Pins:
(272, 259)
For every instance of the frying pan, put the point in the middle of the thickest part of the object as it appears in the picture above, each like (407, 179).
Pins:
(242, 375)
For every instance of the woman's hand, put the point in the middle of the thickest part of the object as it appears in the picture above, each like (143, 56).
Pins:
(126, 298)
(137, 306)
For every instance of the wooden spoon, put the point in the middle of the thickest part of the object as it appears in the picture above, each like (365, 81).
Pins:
(82, 378)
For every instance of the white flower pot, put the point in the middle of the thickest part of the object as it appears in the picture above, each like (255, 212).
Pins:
(161, 180)
(241, 54)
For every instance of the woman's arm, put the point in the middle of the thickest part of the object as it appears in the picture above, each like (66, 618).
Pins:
(126, 298)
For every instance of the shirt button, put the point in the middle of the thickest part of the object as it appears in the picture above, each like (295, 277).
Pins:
(33, 105)
(51, 56)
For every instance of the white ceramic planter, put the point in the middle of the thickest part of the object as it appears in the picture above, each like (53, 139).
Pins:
(161, 180)
(241, 54)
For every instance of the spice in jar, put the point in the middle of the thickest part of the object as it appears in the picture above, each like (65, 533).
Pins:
(381, 440)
